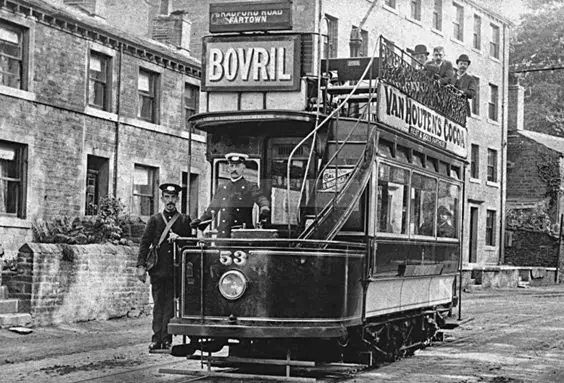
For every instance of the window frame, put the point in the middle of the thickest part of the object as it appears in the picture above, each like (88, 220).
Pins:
(415, 10)
(495, 41)
(493, 103)
(492, 175)
(153, 196)
(438, 15)
(458, 22)
(23, 35)
(151, 94)
(21, 160)
(475, 161)
(332, 43)
(107, 84)
(477, 33)
(490, 236)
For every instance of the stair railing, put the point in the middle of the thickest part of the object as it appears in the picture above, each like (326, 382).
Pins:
(317, 128)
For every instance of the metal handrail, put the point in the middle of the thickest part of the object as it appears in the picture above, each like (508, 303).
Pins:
(316, 129)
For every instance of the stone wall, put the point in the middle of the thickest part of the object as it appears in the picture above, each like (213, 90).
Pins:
(63, 283)
(530, 248)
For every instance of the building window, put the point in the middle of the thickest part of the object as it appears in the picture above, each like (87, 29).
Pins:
(494, 44)
(390, 3)
(12, 57)
(12, 178)
(416, 10)
(492, 165)
(458, 22)
(493, 103)
(331, 47)
(164, 8)
(490, 228)
(477, 41)
(475, 162)
(364, 44)
(475, 101)
(144, 186)
(191, 99)
(438, 15)
(147, 88)
(97, 182)
(99, 76)
(189, 203)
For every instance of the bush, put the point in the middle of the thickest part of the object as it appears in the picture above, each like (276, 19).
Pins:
(104, 227)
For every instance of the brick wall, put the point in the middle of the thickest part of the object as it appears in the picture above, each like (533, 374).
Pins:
(77, 283)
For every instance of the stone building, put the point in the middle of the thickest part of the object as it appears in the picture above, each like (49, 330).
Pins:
(87, 111)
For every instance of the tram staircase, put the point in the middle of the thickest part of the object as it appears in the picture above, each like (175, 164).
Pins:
(350, 153)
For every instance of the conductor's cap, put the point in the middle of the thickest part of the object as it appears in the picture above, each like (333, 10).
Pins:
(170, 188)
(236, 157)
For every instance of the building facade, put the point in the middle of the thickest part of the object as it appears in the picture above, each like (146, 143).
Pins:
(461, 27)
(89, 111)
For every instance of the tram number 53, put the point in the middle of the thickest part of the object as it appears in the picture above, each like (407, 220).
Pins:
(228, 258)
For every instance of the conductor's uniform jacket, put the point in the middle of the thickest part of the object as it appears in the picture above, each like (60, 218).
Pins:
(233, 205)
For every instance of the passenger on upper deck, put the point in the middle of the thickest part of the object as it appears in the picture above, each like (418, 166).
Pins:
(465, 82)
(439, 68)
(233, 202)
(419, 53)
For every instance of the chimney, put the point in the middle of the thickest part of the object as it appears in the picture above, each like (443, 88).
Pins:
(516, 105)
(174, 29)
(96, 8)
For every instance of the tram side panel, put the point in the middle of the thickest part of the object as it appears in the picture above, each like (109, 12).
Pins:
(281, 285)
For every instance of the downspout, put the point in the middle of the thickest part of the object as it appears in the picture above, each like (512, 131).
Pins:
(118, 112)
(503, 149)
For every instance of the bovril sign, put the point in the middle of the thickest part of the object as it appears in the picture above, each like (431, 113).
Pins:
(251, 63)
(403, 113)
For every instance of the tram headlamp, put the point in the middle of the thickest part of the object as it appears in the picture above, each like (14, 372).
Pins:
(232, 284)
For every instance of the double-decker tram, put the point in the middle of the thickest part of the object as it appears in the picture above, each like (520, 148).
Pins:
(364, 170)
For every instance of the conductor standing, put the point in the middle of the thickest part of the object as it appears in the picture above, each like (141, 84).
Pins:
(162, 228)
(234, 200)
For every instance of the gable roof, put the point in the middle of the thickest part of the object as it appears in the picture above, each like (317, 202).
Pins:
(552, 142)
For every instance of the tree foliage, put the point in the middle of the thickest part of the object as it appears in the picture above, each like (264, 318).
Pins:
(537, 43)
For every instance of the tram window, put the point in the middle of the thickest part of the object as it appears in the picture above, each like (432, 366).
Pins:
(423, 205)
(393, 195)
(455, 172)
(432, 164)
(402, 154)
(443, 168)
(447, 213)
(385, 148)
(418, 159)
(279, 190)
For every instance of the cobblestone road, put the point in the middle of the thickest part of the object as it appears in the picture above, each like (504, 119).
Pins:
(514, 335)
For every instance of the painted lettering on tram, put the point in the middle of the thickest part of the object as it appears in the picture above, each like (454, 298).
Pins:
(251, 64)
(400, 111)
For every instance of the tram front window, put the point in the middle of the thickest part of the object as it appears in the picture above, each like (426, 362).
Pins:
(393, 194)
(279, 194)
(423, 205)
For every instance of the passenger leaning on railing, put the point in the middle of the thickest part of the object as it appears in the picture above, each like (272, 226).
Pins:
(464, 82)
(439, 68)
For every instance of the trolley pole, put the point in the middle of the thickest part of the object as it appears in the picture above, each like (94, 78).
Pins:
(559, 254)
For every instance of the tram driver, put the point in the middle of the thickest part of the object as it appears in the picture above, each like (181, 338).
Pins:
(233, 202)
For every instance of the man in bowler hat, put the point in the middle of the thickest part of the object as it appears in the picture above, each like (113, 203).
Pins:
(465, 82)
(234, 200)
(161, 274)
(419, 53)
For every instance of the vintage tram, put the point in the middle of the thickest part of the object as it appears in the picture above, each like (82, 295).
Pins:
(360, 258)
